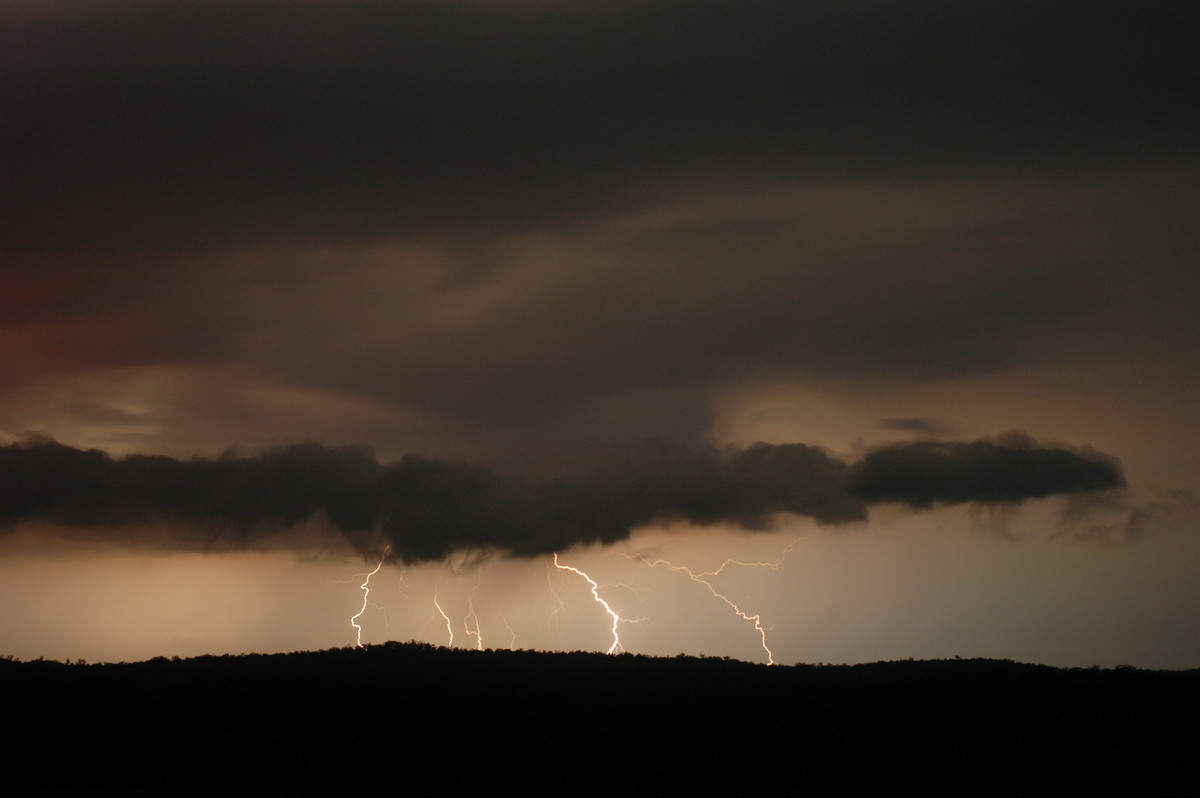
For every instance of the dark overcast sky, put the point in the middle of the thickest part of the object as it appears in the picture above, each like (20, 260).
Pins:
(531, 235)
(192, 125)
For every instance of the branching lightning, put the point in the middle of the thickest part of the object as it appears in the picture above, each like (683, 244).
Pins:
(617, 620)
(365, 586)
(704, 577)
(473, 627)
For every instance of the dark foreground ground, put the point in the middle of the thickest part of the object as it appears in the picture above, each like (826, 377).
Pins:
(405, 718)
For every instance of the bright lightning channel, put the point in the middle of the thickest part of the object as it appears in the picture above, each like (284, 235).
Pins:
(365, 587)
(616, 646)
(702, 578)
(446, 618)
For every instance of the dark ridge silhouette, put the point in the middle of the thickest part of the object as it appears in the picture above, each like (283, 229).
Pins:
(401, 715)
(427, 509)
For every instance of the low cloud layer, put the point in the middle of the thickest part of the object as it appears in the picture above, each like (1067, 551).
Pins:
(428, 509)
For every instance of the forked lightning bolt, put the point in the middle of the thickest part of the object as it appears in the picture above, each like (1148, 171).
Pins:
(365, 586)
(616, 646)
(472, 625)
(702, 578)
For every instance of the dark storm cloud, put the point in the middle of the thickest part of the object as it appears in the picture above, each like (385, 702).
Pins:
(195, 123)
(427, 509)
(515, 224)
(1011, 468)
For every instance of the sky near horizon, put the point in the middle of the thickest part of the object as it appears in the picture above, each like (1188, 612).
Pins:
(906, 291)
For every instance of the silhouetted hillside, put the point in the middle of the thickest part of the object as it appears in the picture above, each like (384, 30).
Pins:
(412, 716)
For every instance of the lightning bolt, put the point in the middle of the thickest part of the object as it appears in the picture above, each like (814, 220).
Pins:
(559, 606)
(704, 577)
(476, 632)
(512, 635)
(366, 589)
(446, 618)
(616, 646)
